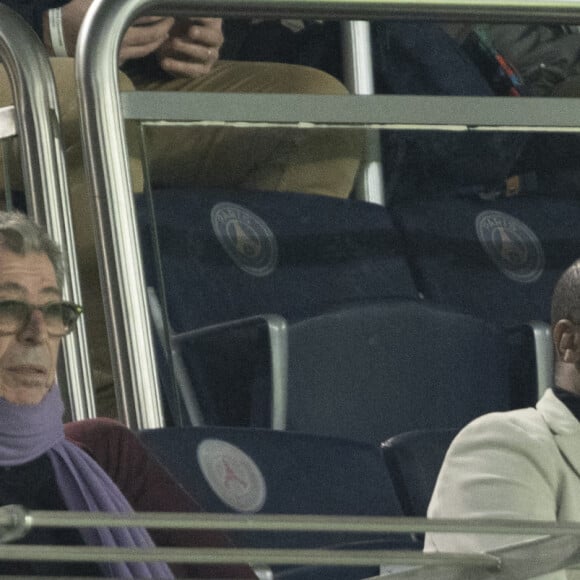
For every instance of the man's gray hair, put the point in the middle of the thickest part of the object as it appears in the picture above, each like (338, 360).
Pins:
(21, 235)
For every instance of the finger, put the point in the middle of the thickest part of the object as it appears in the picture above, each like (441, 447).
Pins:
(180, 68)
(212, 54)
(137, 51)
(209, 35)
(148, 20)
(183, 50)
(155, 33)
(208, 22)
(140, 41)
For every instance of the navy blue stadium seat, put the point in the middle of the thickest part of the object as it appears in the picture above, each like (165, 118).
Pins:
(414, 459)
(371, 372)
(294, 254)
(495, 259)
(229, 256)
(275, 472)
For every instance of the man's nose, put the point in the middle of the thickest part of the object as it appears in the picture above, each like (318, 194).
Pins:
(35, 330)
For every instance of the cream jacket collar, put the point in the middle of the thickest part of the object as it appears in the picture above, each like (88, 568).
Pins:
(564, 425)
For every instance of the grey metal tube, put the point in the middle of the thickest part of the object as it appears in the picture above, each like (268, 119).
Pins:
(15, 516)
(277, 523)
(128, 324)
(326, 557)
(359, 78)
(554, 11)
(557, 543)
(44, 175)
(390, 112)
(127, 317)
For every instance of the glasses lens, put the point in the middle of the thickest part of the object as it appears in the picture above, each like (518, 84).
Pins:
(60, 317)
(13, 315)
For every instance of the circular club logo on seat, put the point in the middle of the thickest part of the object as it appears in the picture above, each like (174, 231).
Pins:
(246, 238)
(232, 475)
(512, 245)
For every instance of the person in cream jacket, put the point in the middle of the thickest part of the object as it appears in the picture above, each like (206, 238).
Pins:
(522, 464)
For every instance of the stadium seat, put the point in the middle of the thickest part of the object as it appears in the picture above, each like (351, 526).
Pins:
(371, 372)
(498, 260)
(254, 263)
(414, 459)
(274, 472)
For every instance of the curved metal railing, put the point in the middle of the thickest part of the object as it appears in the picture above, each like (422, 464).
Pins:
(44, 176)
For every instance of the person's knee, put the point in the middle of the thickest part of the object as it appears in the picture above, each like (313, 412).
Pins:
(308, 80)
(64, 70)
(125, 83)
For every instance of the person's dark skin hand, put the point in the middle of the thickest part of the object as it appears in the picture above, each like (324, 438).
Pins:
(192, 47)
(142, 38)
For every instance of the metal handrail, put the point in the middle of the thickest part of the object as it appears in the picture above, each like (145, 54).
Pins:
(309, 557)
(546, 11)
(44, 175)
(106, 149)
(279, 523)
(393, 112)
(558, 543)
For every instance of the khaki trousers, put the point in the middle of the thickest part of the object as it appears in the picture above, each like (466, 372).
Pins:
(319, 162)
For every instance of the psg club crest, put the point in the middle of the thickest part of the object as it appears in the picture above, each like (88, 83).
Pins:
(246, 238)
(232, 474)
(512, 245)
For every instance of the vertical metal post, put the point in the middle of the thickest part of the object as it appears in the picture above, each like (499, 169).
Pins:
(122, 277)
(359, 78)
(44, 176)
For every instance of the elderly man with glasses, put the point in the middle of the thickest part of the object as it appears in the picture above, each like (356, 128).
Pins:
(523, 464)
(93, 465)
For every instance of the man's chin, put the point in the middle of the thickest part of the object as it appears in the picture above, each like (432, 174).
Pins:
(25, 394)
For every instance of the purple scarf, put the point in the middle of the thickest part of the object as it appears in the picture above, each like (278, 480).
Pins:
(28, 431)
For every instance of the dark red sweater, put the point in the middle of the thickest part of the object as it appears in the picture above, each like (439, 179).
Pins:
(148, 487)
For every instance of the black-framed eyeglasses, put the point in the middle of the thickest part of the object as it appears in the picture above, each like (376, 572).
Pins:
(59, 317)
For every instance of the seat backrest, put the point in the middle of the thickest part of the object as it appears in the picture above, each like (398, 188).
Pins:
(499, 260)
(269, 471)
(228, 255)
(276, 472)
(414, 459)
(372, 371)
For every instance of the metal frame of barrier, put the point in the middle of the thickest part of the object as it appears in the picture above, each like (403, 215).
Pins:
(557, 542)
(43, 169)
(359, 78)
(103, 113)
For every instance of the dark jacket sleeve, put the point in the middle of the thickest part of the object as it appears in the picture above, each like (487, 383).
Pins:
(149, 487)
(32, 10)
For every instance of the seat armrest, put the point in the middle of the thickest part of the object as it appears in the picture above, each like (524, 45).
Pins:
(277, 329)
(531, 342)
(544, 355)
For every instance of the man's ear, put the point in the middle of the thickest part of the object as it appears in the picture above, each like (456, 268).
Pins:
(567, 341)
